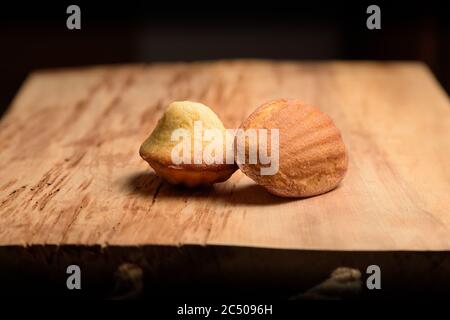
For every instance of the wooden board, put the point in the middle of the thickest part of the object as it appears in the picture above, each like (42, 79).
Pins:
(70, 172)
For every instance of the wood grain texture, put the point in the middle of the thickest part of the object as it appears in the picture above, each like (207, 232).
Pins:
(70, 172)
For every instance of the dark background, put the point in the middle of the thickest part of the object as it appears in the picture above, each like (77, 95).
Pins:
(34, 36)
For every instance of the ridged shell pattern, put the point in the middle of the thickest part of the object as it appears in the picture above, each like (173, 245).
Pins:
(312, 155)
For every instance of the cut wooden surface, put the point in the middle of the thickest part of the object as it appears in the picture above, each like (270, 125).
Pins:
(70, 172)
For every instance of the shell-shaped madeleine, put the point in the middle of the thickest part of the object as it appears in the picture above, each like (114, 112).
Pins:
(158, 147)
(312, 155)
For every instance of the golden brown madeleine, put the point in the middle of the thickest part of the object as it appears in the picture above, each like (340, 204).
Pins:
(312, 156)
(157, 149)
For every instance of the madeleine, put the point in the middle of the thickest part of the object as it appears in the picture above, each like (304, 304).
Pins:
(188, 120)
(312, 155)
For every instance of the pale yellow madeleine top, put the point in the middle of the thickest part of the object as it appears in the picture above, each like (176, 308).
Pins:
(179, 114)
